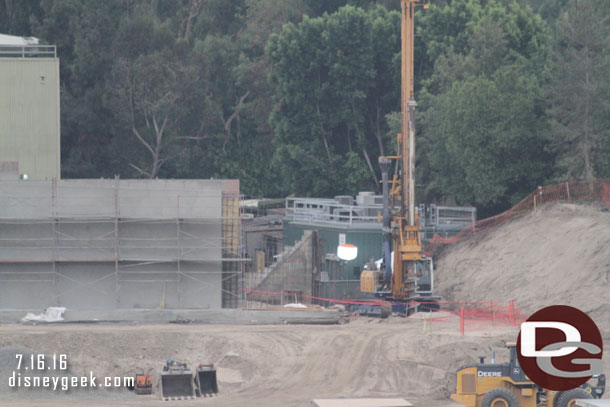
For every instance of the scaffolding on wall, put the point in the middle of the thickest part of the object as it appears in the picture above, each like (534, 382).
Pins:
(232, 251)
(81, 240)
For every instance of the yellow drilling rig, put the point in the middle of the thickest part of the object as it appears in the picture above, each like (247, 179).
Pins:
(397, 279)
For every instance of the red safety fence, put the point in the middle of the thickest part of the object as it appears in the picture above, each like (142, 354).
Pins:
(471, 315)
(575, 191)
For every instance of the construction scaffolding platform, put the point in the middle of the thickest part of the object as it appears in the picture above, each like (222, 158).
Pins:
(102, 244)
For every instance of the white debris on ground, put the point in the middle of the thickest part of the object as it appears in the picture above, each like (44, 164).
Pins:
(295, 305)
(51, 314)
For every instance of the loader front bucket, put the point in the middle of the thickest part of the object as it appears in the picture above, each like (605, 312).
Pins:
(177, 384)
(205, 380)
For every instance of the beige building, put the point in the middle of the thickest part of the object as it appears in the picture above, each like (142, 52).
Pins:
(29, 109)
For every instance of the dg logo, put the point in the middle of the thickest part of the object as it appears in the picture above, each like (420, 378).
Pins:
(560, 348)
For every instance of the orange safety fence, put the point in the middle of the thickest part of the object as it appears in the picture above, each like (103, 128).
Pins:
(575, 191)
(471, 315)
(479, 315)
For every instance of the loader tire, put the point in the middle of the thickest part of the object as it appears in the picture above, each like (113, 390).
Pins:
(499, 397)
(556, 398)
(567, 399)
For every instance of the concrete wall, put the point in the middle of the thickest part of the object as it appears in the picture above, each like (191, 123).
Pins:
(29, 115)
(294, 271)
(98, 244)
(263, 234)
(9, 170)
(87, 198)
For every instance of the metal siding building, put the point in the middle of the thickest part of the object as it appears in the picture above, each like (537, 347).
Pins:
(358, 221)
(29, 112)
(367, 240)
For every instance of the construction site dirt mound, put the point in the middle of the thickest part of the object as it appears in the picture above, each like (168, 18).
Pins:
(279, 365)
(558, 254)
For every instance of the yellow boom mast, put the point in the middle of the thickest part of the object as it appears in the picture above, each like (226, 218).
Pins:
(400, 222)
(407, 243)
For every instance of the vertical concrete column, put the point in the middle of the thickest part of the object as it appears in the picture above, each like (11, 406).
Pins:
(179, 251)
(54, 242)
(116, 241)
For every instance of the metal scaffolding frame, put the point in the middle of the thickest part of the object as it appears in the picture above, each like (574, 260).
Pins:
(161, 259)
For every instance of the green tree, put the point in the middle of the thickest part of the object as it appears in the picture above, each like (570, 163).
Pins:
(483, 123)
(488, 148)
(228, 130)
(151, 94)
(16, 17)
(85, 34)
(334, 81)
(580, 90)
(289, 104)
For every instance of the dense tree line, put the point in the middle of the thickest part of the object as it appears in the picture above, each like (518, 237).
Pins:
(301, 96)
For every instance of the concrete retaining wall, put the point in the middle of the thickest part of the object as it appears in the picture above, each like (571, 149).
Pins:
(217, 316)
(293, 272)
(100, 244)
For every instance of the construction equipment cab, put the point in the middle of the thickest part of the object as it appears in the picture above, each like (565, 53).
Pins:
(505, 385)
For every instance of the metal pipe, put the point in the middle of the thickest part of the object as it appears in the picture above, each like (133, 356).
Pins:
(384, 164)
(411, 170)
(407, 95)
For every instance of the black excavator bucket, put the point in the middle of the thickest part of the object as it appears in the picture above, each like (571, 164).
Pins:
(176, 381)
(205, 380)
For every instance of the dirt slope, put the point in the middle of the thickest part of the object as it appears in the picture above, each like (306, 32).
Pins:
(559, 254)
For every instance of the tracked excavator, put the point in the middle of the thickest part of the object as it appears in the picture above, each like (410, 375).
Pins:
(404, 277)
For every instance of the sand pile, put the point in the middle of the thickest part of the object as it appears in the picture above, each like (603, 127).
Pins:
(559, 254)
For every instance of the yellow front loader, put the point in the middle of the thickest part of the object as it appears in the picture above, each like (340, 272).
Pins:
(505, 385)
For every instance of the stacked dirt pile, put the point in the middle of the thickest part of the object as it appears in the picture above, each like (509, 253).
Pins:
(559, 254)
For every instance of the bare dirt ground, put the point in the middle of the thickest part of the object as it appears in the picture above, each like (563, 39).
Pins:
(278, 365)
(559, 254)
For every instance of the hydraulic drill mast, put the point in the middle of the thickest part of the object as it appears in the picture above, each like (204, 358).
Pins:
(407, 103)
(406, 239)
(400, 221)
